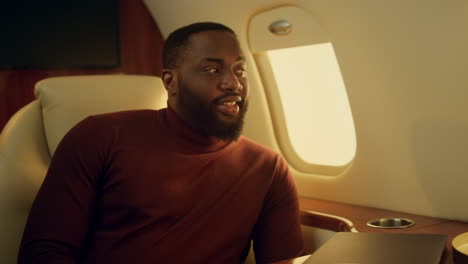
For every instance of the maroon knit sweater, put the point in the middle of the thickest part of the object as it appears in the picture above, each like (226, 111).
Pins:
(143, 187)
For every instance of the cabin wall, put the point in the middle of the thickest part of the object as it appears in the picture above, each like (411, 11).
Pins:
(404, 64)
(140, 49)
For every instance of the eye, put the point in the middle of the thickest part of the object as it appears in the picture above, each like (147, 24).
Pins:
(241, 73)
(210, 70)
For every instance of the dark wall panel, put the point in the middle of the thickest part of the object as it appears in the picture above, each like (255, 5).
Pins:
(59, 34)
(140, 49)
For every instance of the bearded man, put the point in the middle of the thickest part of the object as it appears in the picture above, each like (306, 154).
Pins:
(176, 185)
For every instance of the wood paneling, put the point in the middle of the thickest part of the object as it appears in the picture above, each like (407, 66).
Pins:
(140, 49)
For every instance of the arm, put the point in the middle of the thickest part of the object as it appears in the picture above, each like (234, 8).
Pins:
(60, 217)
(277, 233)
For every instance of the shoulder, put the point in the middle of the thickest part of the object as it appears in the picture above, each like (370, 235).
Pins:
(248, 145)
(252, 150)
(118, 120)
(98, 127)
(129, 116)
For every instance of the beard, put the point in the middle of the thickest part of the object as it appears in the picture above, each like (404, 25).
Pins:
(202, 115)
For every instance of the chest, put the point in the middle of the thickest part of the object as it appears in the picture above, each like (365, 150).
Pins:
(164, 185)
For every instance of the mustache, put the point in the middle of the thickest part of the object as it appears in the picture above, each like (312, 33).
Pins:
(217, 99)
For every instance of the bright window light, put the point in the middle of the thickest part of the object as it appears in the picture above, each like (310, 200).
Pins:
(315, 104)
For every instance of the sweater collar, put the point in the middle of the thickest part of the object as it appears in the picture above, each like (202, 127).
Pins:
(189, 138)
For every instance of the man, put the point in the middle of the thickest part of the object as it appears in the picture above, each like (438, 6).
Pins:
(177, 185)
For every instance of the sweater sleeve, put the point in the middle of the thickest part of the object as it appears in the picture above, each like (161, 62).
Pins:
(60, 218)
(277, 233)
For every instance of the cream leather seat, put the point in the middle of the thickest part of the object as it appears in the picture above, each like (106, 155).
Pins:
(31, 136)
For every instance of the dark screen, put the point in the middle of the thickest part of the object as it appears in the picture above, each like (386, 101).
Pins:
(59, 34)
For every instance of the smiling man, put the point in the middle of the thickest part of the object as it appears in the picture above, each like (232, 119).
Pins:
(176, 185)
(207, 85)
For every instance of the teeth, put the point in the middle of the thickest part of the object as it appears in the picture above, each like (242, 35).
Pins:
(229, 103)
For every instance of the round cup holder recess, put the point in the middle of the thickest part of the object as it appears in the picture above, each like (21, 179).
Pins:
(391, 223)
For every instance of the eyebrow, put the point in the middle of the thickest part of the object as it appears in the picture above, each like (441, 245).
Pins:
(220, 61)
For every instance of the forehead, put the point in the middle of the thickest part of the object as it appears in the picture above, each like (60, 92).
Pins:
(213, 44)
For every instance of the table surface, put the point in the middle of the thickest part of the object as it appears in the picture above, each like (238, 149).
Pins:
(357, 217)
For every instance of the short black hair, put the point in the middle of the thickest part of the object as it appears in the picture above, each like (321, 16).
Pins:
(177, 41)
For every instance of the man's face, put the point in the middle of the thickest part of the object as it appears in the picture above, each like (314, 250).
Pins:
(212, 86)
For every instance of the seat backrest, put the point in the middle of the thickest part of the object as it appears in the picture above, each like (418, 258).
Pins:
(31, 136)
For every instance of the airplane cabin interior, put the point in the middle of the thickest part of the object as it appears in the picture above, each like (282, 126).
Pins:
(365, 100)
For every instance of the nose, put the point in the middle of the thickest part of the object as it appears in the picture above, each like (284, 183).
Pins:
(230, 83)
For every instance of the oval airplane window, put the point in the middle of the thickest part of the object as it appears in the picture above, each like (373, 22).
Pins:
(305, 90)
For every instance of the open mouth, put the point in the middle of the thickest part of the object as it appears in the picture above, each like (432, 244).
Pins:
(229, 105)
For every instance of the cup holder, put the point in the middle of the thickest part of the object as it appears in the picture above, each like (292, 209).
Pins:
(391, 223)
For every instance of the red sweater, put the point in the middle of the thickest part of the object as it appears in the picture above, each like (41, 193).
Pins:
(142, 187)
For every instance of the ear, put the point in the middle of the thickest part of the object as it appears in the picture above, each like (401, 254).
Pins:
(169, 78)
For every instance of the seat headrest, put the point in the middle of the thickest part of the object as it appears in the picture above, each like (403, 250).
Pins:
(67, 100)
